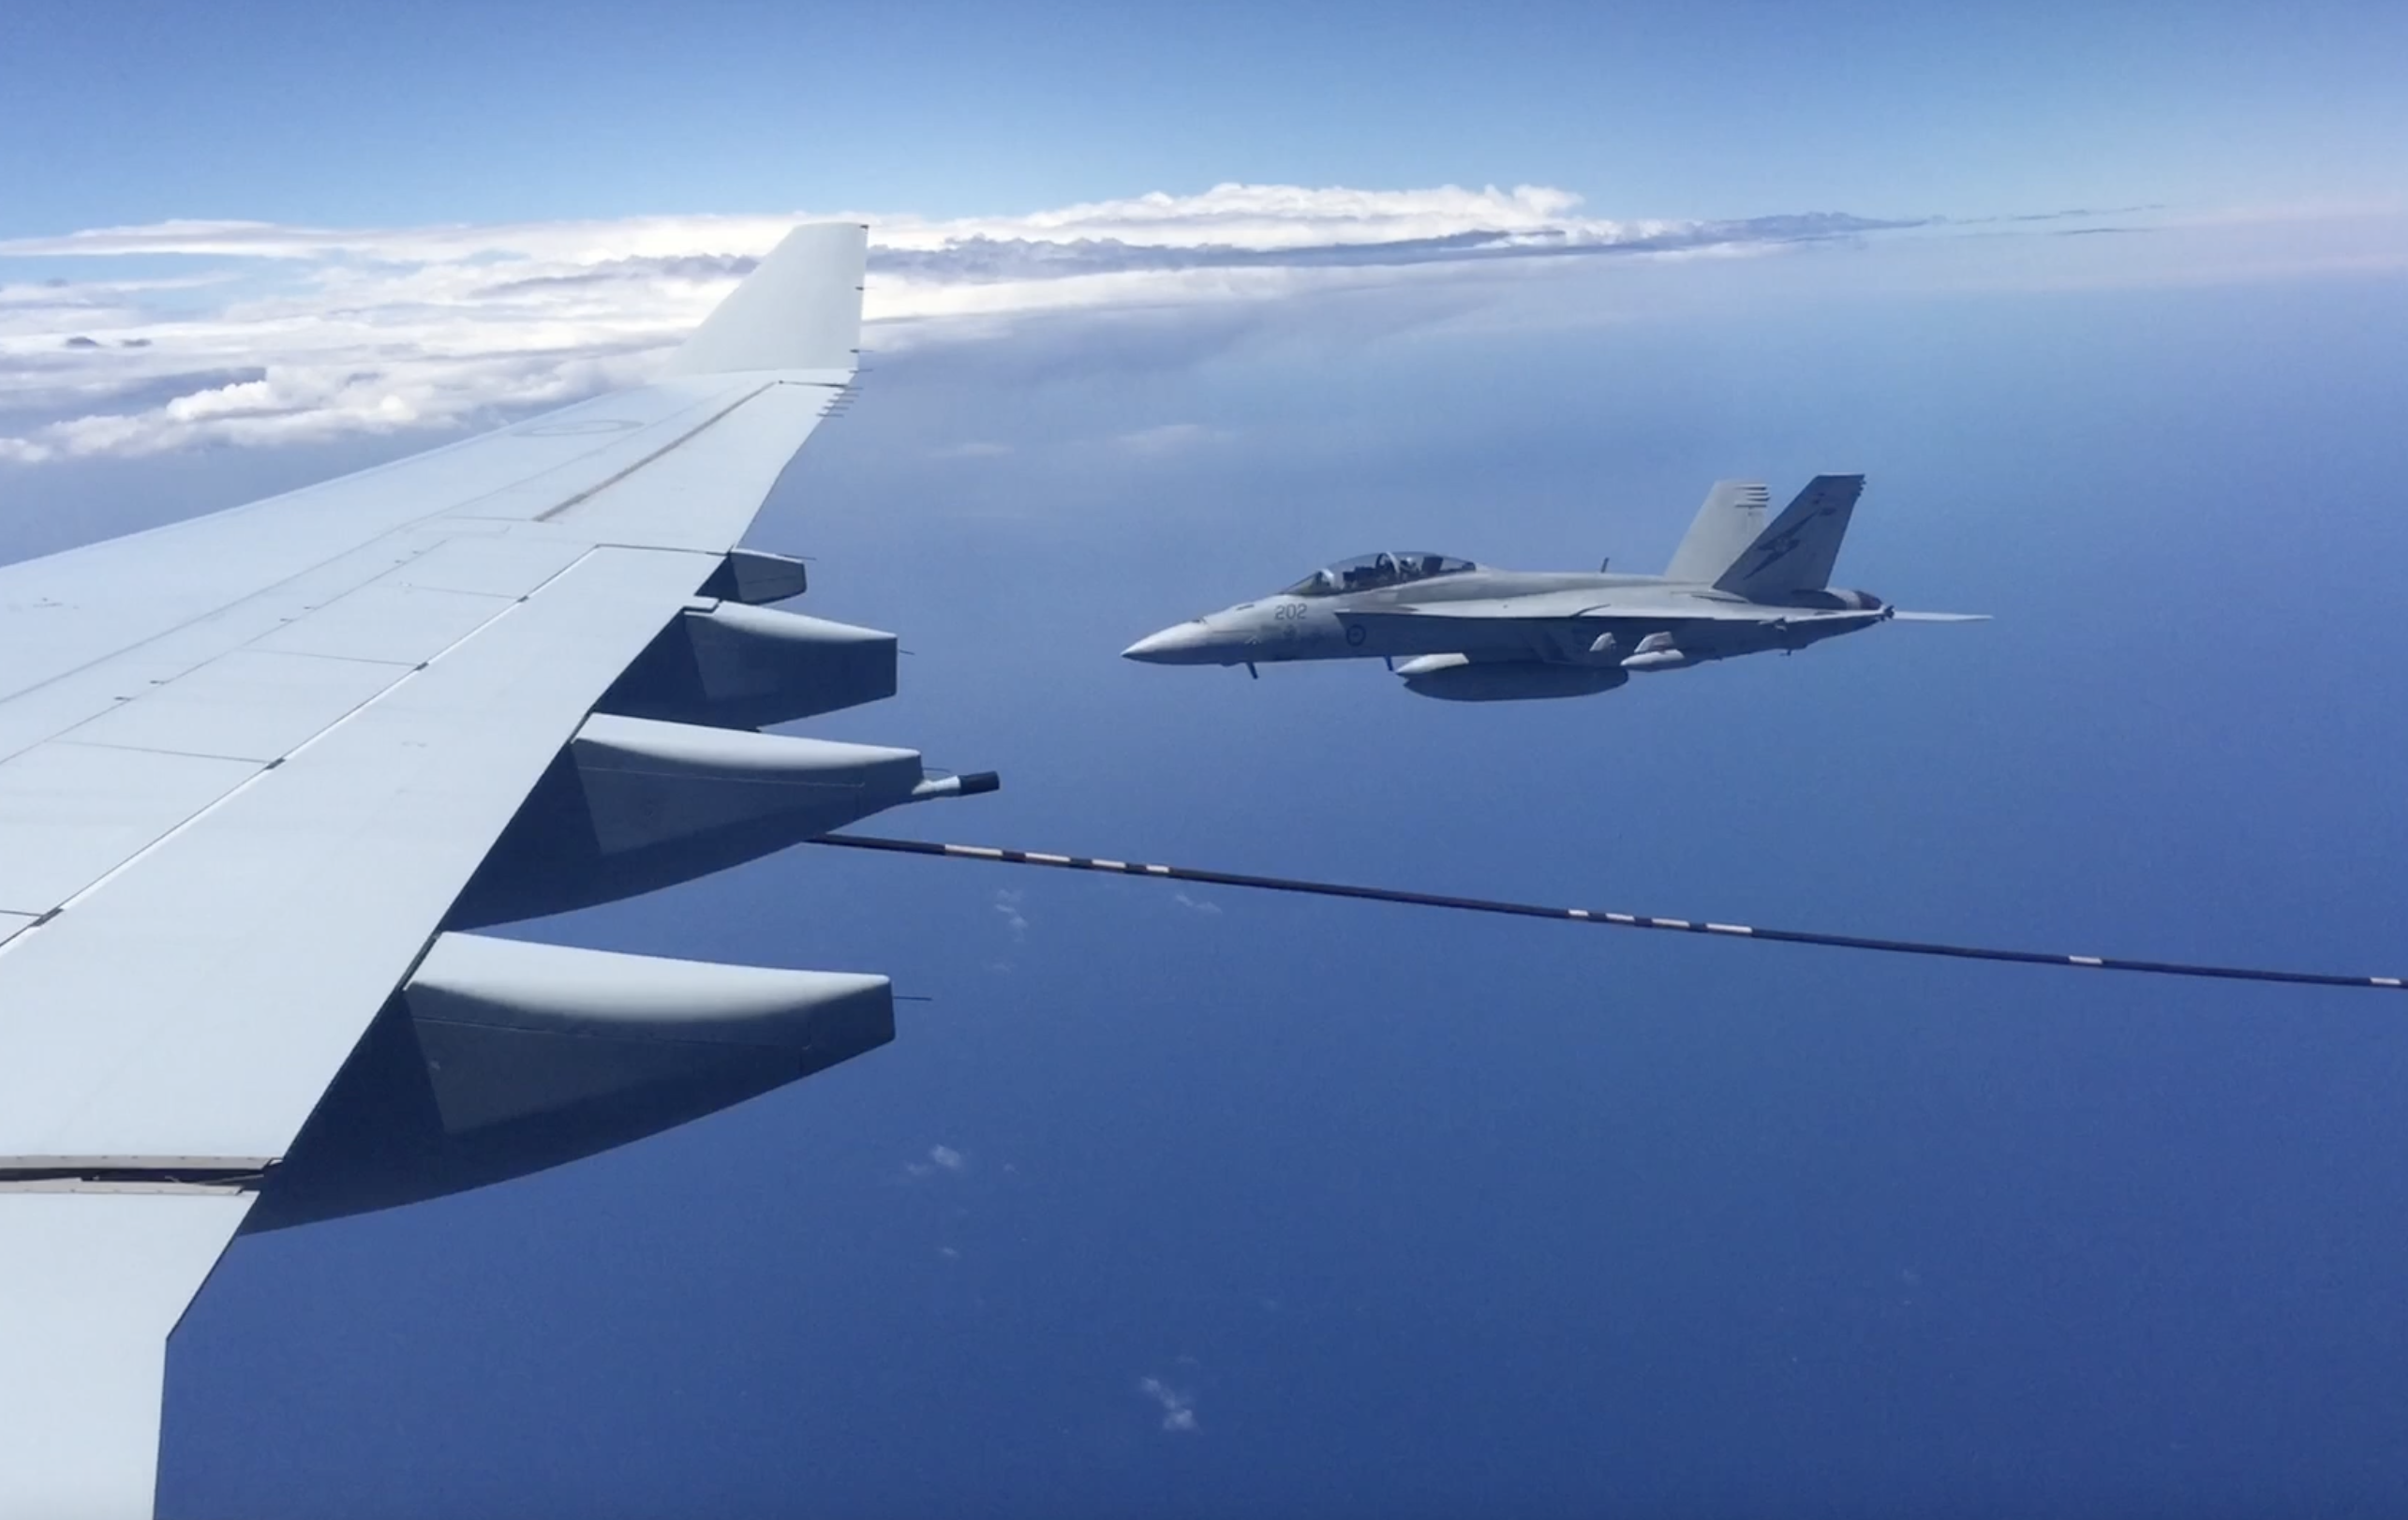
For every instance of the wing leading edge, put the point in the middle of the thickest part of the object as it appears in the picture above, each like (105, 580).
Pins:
(249, 762)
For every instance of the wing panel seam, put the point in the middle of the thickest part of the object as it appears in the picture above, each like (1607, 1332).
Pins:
(664, 449)
(270, 766)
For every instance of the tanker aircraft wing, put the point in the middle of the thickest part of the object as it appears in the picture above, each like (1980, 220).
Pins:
(259, 769)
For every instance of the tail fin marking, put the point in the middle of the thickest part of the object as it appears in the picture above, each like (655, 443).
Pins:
(1731, 518)
(1797, 551)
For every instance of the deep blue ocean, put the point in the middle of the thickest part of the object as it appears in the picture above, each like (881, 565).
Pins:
(1174, 1200)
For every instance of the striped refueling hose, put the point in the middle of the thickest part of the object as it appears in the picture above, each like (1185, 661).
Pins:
(1588, 915)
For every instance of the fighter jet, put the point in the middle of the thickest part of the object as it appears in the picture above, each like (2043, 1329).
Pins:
(1469, 633)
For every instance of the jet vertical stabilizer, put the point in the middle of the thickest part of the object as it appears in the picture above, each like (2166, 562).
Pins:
(1730, 520)
(1797, 552)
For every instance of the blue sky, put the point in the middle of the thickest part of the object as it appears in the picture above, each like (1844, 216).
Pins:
(441, 112)
(1197, 1204)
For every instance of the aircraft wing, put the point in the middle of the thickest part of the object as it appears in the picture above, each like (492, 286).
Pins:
(1561, 626)
(1553, 606)
(1581, 607)
(248, 762)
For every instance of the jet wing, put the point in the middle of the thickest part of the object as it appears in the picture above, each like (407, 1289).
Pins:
(1654, 612)
(1560, 626)
(247, 762)
(1624, 606)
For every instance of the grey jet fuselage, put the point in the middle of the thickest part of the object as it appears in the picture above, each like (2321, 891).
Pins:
(1473, 633)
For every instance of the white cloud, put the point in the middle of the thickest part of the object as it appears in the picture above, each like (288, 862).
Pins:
(1234, 216)
(940, 1158)
(268, 334)
(1198, 904)
(1007, 902)
(1178, 1408)
(1170, 437)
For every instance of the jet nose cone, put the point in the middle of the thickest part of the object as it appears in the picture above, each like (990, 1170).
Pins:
(1176, 646)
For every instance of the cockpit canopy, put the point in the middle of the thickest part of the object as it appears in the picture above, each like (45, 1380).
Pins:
(1369, 571)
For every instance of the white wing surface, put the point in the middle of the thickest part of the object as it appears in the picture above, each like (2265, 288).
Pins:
(247, 765)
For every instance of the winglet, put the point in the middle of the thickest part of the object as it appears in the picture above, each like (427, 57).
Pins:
(800, 308)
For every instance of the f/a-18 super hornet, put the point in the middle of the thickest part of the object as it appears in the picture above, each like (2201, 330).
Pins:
(1472, 633)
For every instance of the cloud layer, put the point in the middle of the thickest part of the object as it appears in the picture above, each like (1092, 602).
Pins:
(138, 339)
